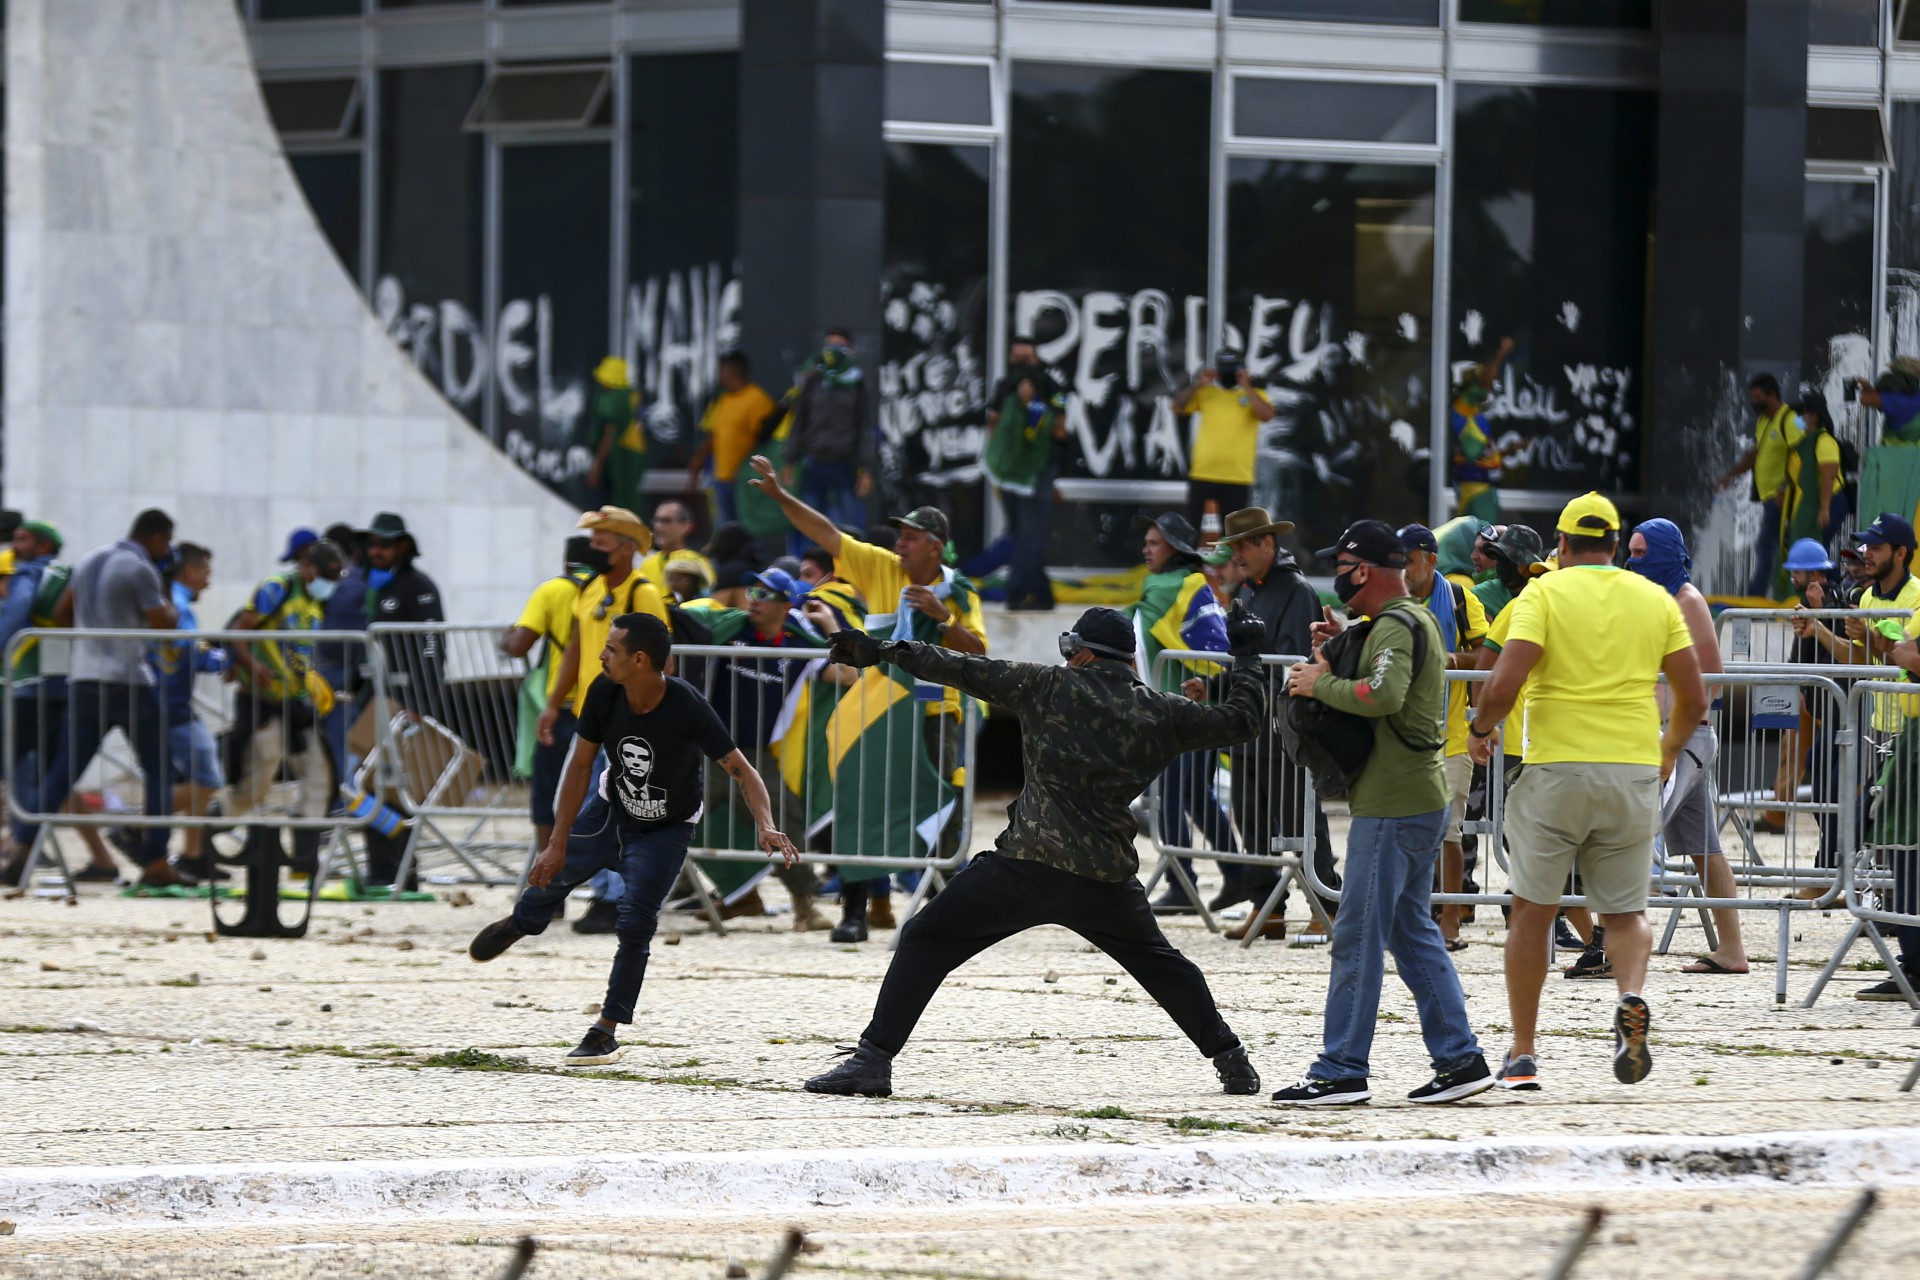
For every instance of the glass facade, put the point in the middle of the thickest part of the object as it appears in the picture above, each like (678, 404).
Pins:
(935, 301)
(1330, 295)
(1133, 203)
(1552, 215)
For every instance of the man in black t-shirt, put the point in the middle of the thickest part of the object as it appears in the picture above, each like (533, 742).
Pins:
(638, 822)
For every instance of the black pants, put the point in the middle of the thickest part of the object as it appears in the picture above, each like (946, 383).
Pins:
(996, 897)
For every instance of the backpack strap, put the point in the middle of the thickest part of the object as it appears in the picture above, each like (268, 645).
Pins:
(1459, 614)
(1419, 660)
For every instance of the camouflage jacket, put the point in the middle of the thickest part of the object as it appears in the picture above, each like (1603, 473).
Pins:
(1091, 739)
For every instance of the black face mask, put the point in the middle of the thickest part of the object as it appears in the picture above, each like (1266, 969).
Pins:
(596, 561)
(1345, 587)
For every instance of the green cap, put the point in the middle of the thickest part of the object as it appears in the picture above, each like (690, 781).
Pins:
(1218, 556)
(45, 529)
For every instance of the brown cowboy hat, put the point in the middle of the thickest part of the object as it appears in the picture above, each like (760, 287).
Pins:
(1251, 523)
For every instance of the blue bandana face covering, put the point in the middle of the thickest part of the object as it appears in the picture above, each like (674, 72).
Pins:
(379, 578)
(1666, 562)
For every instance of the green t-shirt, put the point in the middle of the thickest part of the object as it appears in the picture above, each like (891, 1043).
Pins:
(1399, 781)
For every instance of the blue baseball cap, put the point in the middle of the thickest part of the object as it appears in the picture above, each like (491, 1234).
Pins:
(781, 581)
(1808, 556)
(1417, 537)
(1887, 529)
(297, 541)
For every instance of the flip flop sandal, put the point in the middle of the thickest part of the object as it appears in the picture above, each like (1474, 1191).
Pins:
(1707, 964)
(1458, 944)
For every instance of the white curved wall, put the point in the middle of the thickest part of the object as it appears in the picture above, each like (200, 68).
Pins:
(179, 333)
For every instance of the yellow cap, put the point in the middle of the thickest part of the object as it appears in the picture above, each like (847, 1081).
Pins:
(1590, 515)
(611, 373)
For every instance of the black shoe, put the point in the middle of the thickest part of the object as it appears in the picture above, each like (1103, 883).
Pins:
(107, 875)
(1230, 896)
(601, 917)
(849, 931)
(1309, 1092)
(198, 868)
(595, 1048)
(1888, 991)
(1173, 901)
(493, 939)
(867, 1073)
(1564, 938)
(1452, 1086)
(1593, 963)
(1631, 1057)
(853, 915)
(1236, 1072)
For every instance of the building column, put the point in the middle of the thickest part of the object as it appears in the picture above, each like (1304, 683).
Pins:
(1728, 254)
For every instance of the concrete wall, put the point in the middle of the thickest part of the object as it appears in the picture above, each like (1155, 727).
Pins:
(179, 334)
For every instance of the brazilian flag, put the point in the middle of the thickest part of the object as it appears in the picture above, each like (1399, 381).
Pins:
(888, 799)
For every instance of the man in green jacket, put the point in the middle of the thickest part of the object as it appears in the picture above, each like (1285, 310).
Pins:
(1399, 805)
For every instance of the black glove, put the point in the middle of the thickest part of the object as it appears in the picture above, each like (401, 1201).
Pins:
(1246, 634)
(854, 648)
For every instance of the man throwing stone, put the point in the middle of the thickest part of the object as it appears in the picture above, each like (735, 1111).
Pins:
(655, 729)
(1092, 737)
(1593, 638)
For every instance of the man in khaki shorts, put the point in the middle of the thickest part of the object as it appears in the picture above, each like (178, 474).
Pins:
(1589, 642)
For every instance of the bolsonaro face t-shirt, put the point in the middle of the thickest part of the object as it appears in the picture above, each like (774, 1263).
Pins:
(653, 777)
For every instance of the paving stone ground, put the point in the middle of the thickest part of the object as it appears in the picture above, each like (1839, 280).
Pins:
(347, 1045)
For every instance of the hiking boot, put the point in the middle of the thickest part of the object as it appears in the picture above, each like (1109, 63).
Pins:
(493, 939)
(1236, 1071)
(1519, 1073)
(880, 912)
(1593, 963)
(595, 1048)
(1452, 1086)
(1309, 1092)
(1631, 1057)
(1274, 929)
(807, 917)
(750, 905)
(867, 1073)
(853, 915)
(601, 917)
(1888, 991)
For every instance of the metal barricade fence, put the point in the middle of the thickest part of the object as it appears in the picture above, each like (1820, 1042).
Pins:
(1880, 869)
(1269, 821)
(146, 732)
(868, 772)
(453, 720)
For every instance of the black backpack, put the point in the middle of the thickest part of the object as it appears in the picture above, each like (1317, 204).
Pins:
(1334, 745)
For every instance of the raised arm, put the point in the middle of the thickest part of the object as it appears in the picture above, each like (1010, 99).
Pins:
(804, 518)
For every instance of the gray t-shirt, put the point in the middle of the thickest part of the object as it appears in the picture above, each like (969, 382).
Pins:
(114, 586)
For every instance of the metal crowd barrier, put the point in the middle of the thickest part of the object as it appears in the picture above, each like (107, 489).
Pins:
(1269, 819)
(861, 777)
(452, 735)
(246, 746)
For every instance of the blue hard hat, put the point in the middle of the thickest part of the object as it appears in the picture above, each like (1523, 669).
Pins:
(1808, 556)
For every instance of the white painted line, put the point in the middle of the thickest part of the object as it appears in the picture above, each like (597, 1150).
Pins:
(55, 1199)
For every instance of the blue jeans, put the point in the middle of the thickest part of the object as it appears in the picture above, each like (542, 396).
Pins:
(647, 863)
(726, 501)
(1027, 519)
(1766, 552)
(1386, 905)
(827, 487)
(94, 707)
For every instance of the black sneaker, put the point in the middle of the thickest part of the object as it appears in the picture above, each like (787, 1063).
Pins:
(1593, 963)
(867, 1073)
(595, 1048)
(1631, 1057)
(1173, 901)
(1888, 991)
(1452, 1086)
(1309, 1092)
(601, 917)
(1564, 938)
(1236, 1072)
(493, 939)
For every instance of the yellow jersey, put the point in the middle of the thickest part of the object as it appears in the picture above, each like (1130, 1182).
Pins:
(1228, 434)
(594, 610)
(876, 574)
